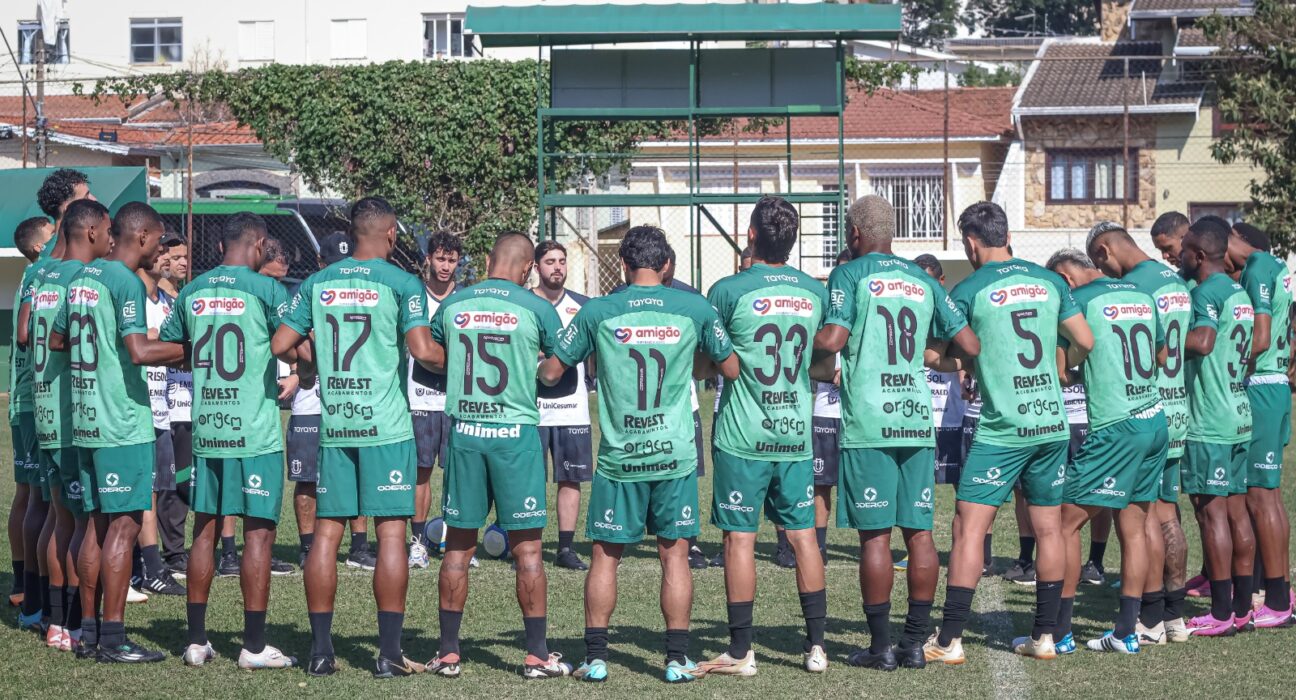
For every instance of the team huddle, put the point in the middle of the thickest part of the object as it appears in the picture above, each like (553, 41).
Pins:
(1184, 372)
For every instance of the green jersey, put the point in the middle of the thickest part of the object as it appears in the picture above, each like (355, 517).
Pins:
(493, 333)
(771, 314)
(1269, 285)
(110, 397)
(1174, 312)
(645, 339)
(1015, 307)
(1219, 411)
(891, 308)
(228, 317)
(1120, 372)
(20, 369)
(53, 384)
(360, 311)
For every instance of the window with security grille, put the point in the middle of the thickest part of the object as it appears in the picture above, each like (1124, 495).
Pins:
(828, 228)
(59, 52)
(919, 202)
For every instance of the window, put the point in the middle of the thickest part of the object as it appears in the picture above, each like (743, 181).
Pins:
(444, 36)
(919, 202)
(348, 38)
(256, 41)
(1231, 212)
(27, 44)
(828, 225)
(1090, 176)
(156, 41)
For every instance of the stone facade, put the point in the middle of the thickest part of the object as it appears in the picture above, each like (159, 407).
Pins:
(1114, 19)
(1104, 132)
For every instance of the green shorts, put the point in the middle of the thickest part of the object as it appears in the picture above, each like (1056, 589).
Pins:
(620, 511)
(26, 461)
(1120, 464)
(879, 488)
(991, 471)
(62, 467)
(1211, 469)
(494, 464)
(116, 479)
(249, 486)
(1270, 431)
(372, 480)
(740, 485)
(1170, 480)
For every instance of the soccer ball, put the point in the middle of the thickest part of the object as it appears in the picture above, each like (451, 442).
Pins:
(435, 532)
(495, 542)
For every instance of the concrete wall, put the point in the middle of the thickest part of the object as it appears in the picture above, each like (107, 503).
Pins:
(1186, 171)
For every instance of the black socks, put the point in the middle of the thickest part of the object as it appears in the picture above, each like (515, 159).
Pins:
(1221, 599)
(821, 537)
(1152, 611)
(228, 548)
(1066, 606)
(419, 529)
(1276, 596)
(596, 643)
(1096, 552)
(389, 634)
(254, 630)
(152, 561)
(958, 608)
(197, 616)
(537, 629)
(677, 642)
(1242, 587)
(1026, 552)
(1048, 598)
(1174, 603)
(814, 608)
(565, 538)
(879, 624)
(321, 633)
(740, 629)
(56, 608)
(73, 614)
(450, 621)
(111, 634)
(359, 541)
(31, 592)
(1127, 618)
(916, 624)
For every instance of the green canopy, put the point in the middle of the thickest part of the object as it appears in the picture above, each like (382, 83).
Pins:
(561, 25)
(112, 186)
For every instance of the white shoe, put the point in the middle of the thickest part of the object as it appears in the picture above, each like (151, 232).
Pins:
(269, 657)
(815, 660)
(1155, 636)
(1041, 648)
(198, 654)
(135, 595)
(553, 667)
(1176, 630)
(726, 665)
(474, 563)
(418, 555)
(951, 655)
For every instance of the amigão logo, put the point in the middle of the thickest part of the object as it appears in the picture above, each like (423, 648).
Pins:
(1019, 294)
(1127, 312)
(45, 300)
(897, 289)
(486, 321)
(647, 335)
(762, 306)
(461, 320)
(83, 295)
(218, 306)
(784, 306)
(1174, 301)
(1243, 312)
(349, 297)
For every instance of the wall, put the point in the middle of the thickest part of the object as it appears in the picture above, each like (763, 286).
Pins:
(1186, 171)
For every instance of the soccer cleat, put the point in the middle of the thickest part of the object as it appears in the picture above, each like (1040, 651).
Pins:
(1268, 618)
(418, 555)
(135, 595)
(82, 650)
(1151, 636)
(697, 560)
(717, 561)
(446, 666)
(567, 559)
(269, 657)
(910, 657)
(592, 671)
(1021, 573)
(553, 667)
(70, 640)
(785, 557)
(1092, 573)
(865, 658)
(1041, 648)
(302, 553)
(901, 566)
(1198, 587)
(178, 566)
(1177, 631)
(951, 655)
(1109, 642)
(987, 571)
(128, 652)
(1243, 624)
(279, 567)
(198, 654)
(164, 584)
(685, 672)
(386, 668)
(325, 665)
(228, 565)
(816, 660)
(362, 558)
(1066, 645)
(726, 665)
(1207, 626)
(32, 622)
(473, 563)
(55, 636)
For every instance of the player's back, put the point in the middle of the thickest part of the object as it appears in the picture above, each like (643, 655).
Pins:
(1269, 284)
(1174, 312)
(1014, 308)
(21, 373)
(1120, 371)
(1219, 410)
(52, 386)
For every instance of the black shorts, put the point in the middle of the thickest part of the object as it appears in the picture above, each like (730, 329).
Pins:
(431, 437)
(949, 455)
(182, 444)
(697, 441)
(164, 466)
(969, 431)
(571, 448)
(827, 453)
(303, 447)
(1079, 431)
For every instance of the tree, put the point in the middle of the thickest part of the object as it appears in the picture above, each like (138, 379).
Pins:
(1254, 81)
(1001, 76)
(1049, 17)
(928, 22)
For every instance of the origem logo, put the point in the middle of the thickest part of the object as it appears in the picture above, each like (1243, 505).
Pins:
(218, 306)
(1019, 294)
(647, 335)
(350, 296)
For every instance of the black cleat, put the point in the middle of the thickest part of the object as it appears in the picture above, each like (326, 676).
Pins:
(697, 560)
(85, 651)
(386, 668)
(912, 657)
(785, 557)
(362, 558)
(163, 584)
(229, 565)
(128, 652)
(1092, 573)
(717, 562)
(1021, 572)
(279, 567)
(567, 559)
(322, 666)
(301, 560)
(886, 661)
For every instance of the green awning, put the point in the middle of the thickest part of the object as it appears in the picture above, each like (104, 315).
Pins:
(112, 186)
(562, 25)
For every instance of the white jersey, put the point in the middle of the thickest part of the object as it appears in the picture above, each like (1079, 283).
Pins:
(1073, 398)
(827, 398)
(973, 408)
(426, 389)
(156, 313)
(948, 405)
(180, 394)
(572, 409)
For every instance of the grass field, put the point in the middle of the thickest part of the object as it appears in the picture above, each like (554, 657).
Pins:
(1245, 666)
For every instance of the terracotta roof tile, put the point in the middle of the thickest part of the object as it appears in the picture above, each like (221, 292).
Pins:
(142, 123)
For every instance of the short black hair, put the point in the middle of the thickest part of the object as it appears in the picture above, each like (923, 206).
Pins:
(1168, 223)
(240, 225)
(25, 235)
(930, 264)
(369, 211)
(444, 240)
(645, 247)
(58, 187)
(273, 249)
(82, 214)
(546, 246)
(986, 222)
(134, 216)
(845, 255)
(1254, 237)
(775, 222)
(1210, 234)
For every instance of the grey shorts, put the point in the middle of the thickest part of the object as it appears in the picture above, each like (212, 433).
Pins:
(431, 437)
(827, 453)
(164, 463)
(571, 449)
(302, 447)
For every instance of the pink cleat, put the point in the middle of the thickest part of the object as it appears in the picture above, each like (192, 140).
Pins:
(1243, 624)
(1198, 587)
(1207, 626)
(1268, 618)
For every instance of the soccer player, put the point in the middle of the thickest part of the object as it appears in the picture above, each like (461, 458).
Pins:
(1167, 235)
(650, 337)
(226, 318)
(1218, 349)
(493, 332)
(1118, 256)
(1017, 309)
(1120, 464)
(359, 309)
(886, 315)
(427, 397)
(102, 326)
(761, 450)
(564, 408)
(948, 404)
(1268, 284)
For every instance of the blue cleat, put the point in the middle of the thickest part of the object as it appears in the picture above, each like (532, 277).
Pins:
(1109, 642)
(594, 671)
(686, 672)
(1066, 645)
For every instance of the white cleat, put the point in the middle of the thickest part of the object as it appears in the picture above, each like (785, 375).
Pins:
(951, 655)
(1176, 631)
(418, 556)
(1041, 648)
(815, 660)
(198, 654)
(1154, 636)
(726, 665)
(269, 657)
(135, 595)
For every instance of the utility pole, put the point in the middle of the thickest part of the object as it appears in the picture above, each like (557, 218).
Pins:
(41, 124)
